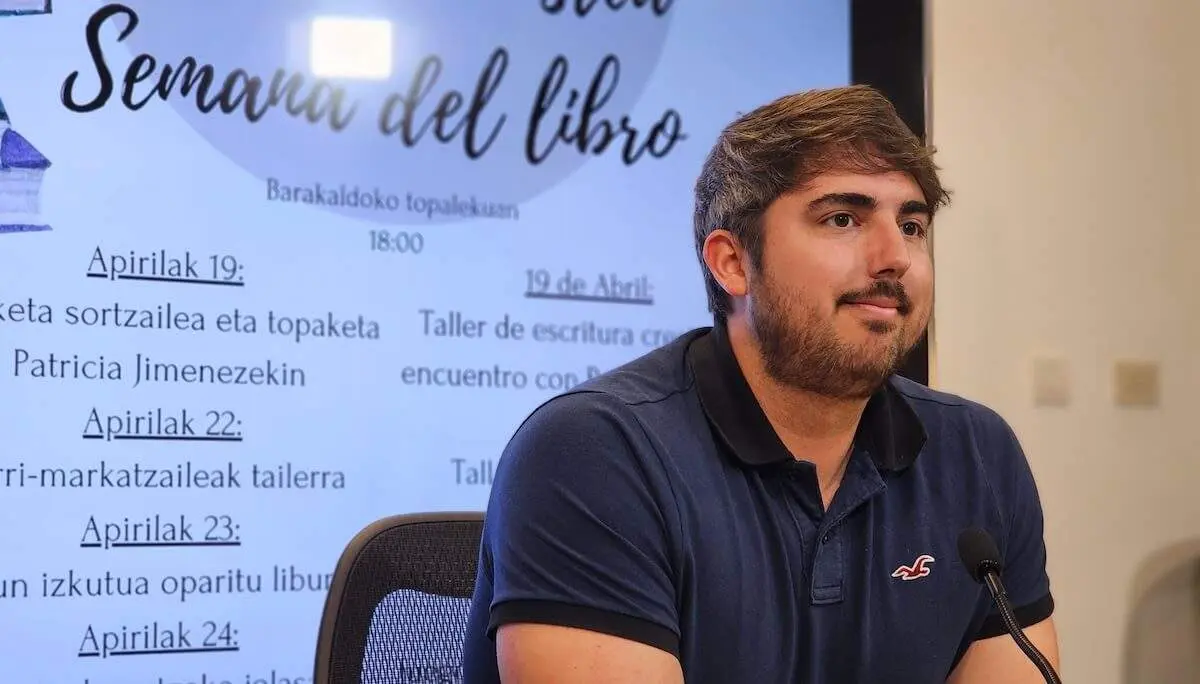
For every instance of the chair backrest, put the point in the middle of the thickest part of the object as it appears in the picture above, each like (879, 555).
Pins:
(397, 607)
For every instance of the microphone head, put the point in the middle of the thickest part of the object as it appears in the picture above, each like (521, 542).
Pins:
(979, 553)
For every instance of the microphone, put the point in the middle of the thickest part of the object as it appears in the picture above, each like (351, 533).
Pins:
(981, 557)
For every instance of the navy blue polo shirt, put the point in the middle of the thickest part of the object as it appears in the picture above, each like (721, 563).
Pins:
(656, 503)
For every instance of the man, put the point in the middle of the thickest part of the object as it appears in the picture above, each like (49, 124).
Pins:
(766, 501)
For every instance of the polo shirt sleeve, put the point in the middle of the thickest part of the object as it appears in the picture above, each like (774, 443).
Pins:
(576, 531)
(1022, 543)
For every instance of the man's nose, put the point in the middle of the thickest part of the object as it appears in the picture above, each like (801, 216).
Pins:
(888, 250)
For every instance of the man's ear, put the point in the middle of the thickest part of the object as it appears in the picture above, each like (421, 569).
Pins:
(727, 262)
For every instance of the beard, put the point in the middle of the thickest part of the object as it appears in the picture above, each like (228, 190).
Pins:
(802, 350)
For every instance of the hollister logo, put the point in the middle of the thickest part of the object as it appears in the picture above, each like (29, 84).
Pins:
(919, 569)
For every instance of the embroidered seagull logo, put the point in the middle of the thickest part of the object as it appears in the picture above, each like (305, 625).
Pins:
(919, 569)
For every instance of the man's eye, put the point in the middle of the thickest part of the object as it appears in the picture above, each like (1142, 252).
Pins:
(913, 228)
(842, 220)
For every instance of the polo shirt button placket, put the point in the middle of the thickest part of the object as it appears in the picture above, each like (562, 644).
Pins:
(827, 571)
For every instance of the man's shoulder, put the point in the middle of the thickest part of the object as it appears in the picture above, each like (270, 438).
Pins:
(626, 390)
(939, 409)
(652, 377)
(964, 435)
(610, 412)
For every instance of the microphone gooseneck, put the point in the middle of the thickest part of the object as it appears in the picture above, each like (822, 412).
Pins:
(981, 557)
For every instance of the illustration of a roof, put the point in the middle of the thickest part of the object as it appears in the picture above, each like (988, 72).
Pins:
(21, 170)
(15, 151)
(21, 7)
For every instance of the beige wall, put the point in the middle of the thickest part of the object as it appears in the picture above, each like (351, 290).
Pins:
(1069, 130)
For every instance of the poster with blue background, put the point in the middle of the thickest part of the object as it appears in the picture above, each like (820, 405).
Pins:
(272, 270)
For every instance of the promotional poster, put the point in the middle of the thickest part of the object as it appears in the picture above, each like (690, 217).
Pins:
(272, 270)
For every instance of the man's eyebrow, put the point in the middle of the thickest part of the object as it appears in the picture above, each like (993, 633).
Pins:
(843, 199)
(915, 207)
(862, 201)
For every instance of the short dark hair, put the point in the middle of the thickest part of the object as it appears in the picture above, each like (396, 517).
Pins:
(786, 143)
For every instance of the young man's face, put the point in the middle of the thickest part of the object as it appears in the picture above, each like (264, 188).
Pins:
(846, 285)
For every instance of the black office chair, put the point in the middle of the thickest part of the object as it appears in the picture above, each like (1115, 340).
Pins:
(397, 608)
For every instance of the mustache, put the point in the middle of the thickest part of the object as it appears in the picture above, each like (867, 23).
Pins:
(892, 289)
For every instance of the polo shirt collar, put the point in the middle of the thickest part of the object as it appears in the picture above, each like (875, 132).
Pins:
(889, 430)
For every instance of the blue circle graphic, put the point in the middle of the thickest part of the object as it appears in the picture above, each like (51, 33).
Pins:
(453, 123)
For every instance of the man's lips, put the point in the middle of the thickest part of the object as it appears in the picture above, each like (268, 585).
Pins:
(878, 302)
(878, 307)
(881, 299)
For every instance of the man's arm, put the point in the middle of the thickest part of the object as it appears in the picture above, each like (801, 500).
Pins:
(993, 656)
(549, 654)
(579, 552)
(998, 660)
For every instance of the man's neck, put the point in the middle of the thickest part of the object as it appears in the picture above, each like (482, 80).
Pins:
(814, 428)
